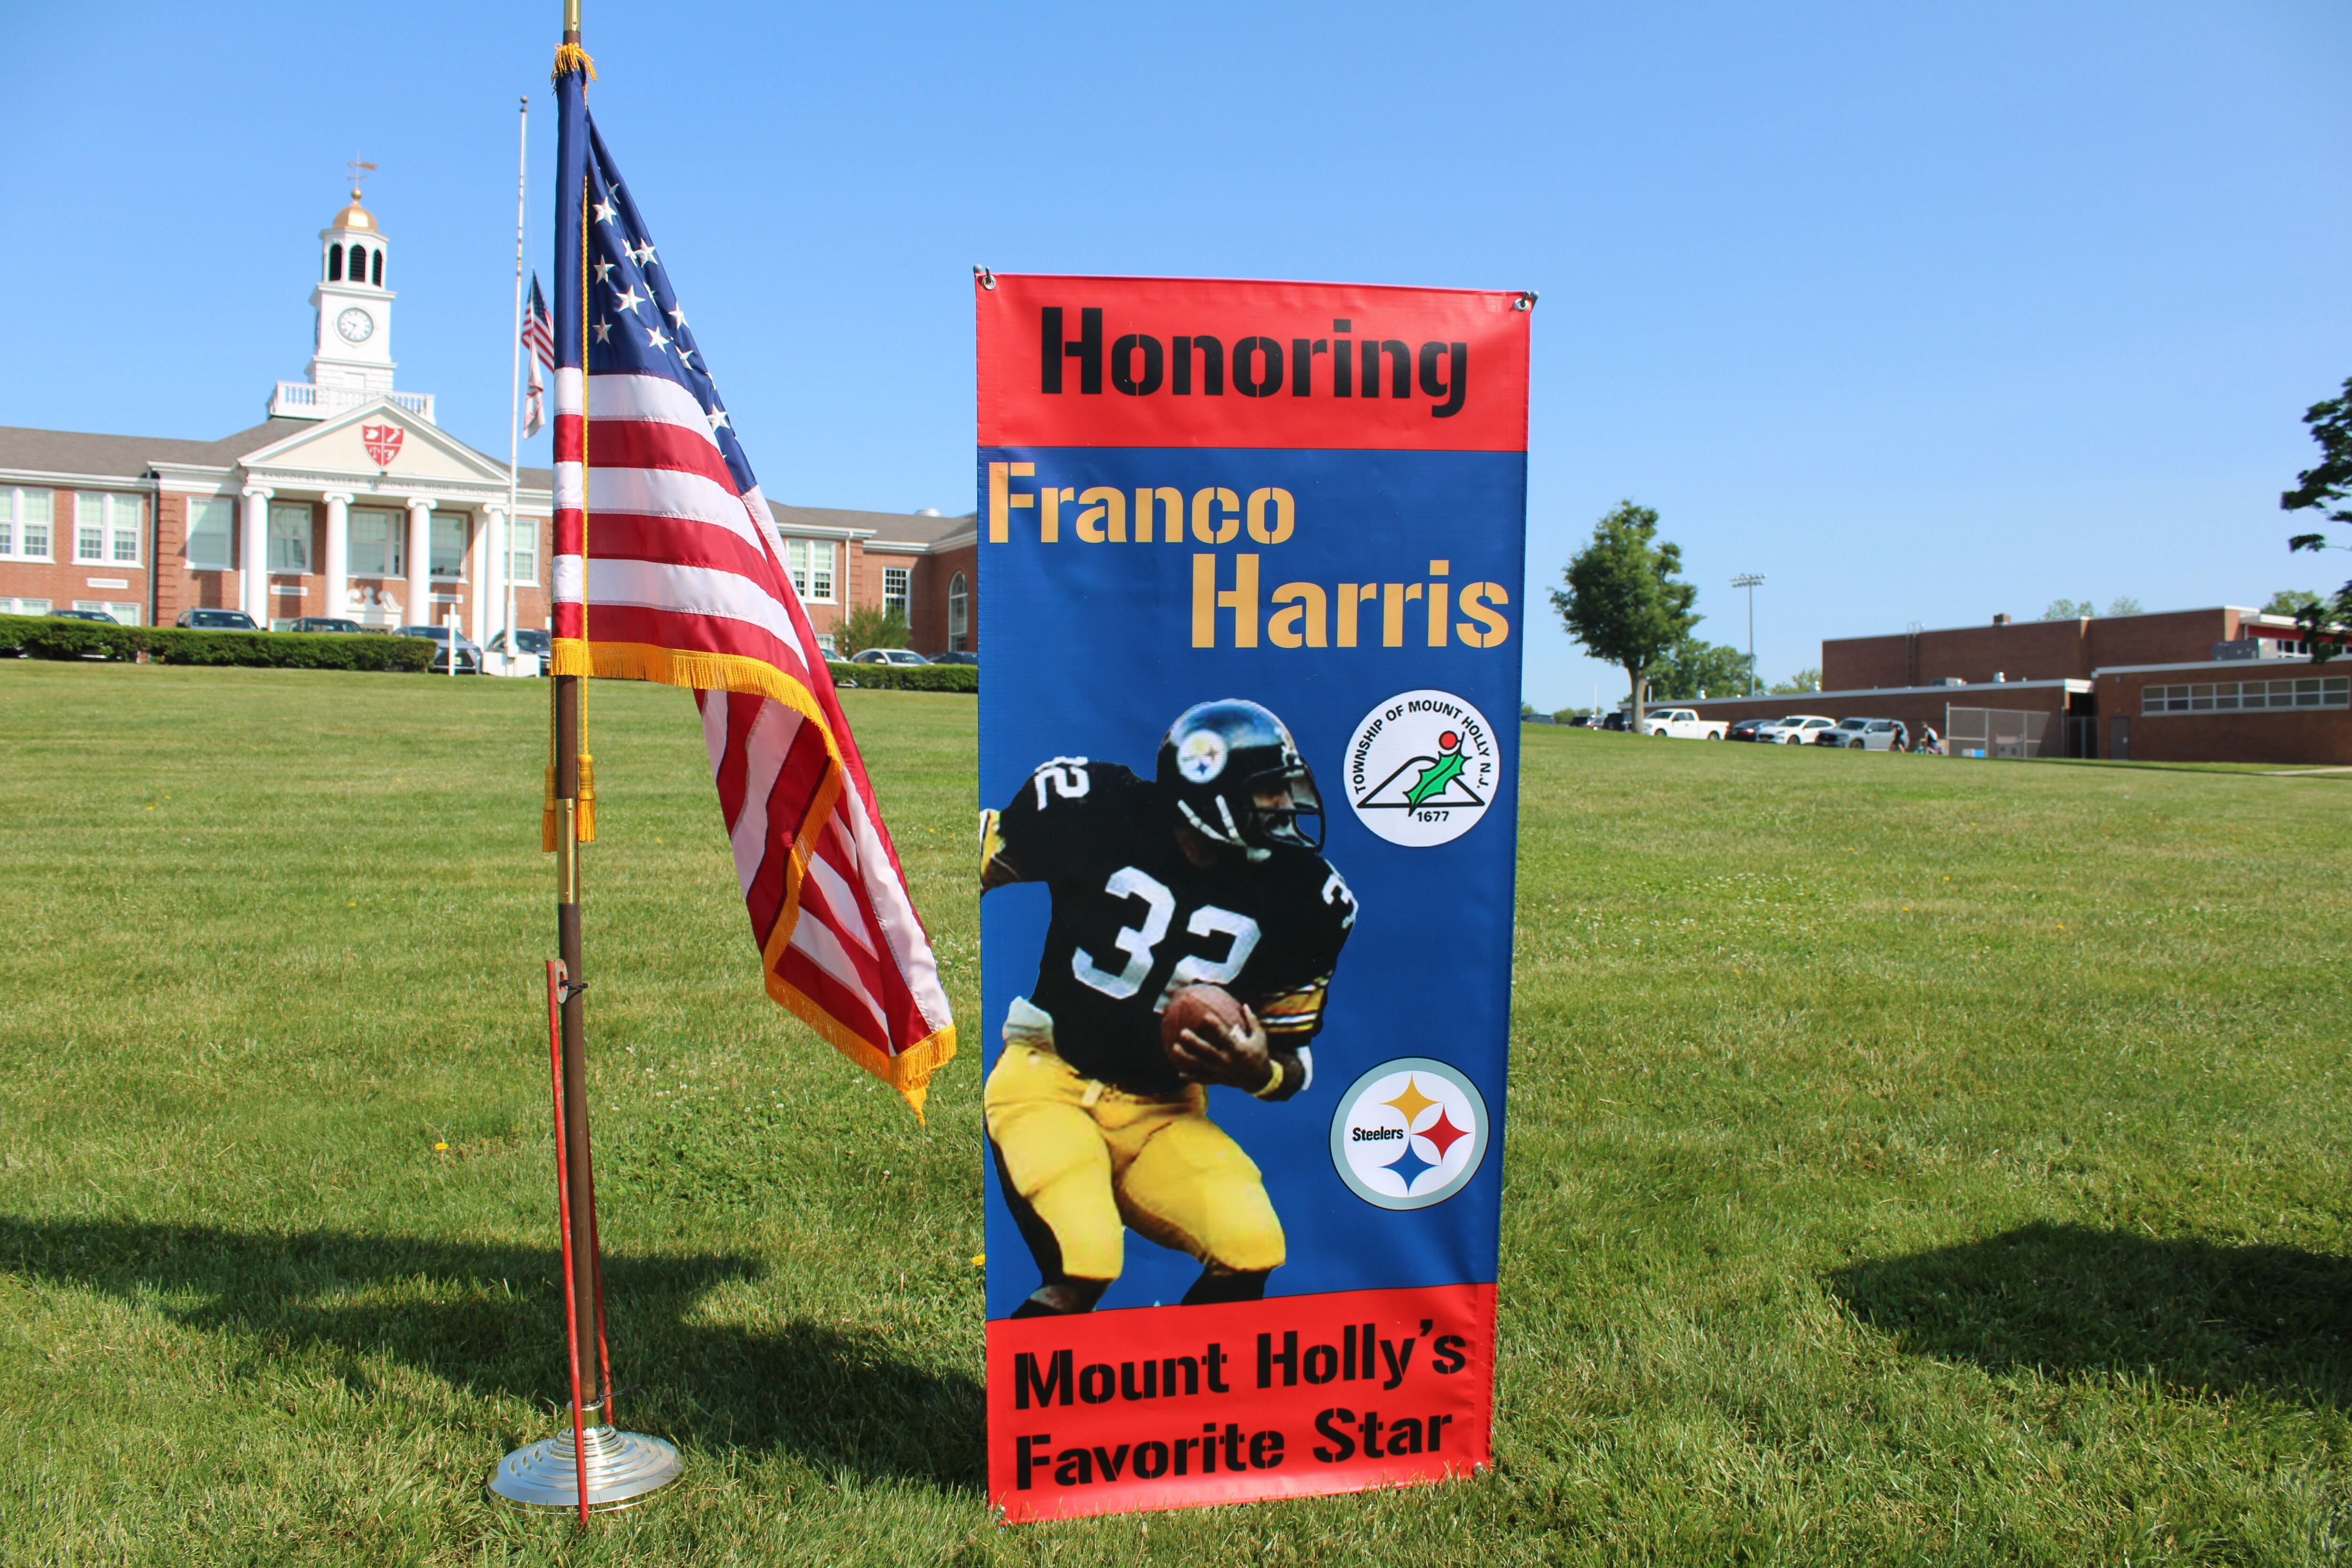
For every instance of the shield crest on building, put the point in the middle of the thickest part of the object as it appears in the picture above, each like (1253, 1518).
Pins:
(382, 442)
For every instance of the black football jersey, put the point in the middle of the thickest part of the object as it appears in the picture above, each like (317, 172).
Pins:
(1134, 920)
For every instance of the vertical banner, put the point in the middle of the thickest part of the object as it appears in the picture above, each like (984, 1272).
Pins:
(1249, 741)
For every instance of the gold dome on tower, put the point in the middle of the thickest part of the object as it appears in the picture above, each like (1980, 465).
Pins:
(353, 216)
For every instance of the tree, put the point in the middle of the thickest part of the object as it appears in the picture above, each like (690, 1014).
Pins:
(2068, 610)
(2327, 490)
(2124, 604)
(1694, 667)
(1804, 680)
(2292, 601)
(870, 626)
(1622, 601)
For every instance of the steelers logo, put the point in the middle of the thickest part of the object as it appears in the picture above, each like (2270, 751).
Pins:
(1422, 768)
(1409, 1134)
(1202, 757)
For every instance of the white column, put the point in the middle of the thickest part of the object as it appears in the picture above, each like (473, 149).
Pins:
(253, 555)
(490, 581)
(337, 567)
(419, 611)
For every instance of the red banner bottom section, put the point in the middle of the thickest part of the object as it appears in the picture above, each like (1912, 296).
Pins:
(1183, 1406)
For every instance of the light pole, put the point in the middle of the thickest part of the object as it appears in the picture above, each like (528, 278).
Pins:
(1748, 580)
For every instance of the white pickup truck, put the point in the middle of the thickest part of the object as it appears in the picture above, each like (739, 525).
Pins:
(1683, 724)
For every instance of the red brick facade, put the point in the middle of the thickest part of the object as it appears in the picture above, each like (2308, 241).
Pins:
(2091, 679)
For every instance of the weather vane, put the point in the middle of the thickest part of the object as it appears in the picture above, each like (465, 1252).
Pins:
(360, 171)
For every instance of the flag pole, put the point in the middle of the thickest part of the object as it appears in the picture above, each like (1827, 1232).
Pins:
(514, 388)
(593, 1468)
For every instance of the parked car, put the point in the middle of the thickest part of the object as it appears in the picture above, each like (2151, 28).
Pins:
(1796, 729)
(1581, 721)
(1617, 721)
(1866, 736)
(956, 658)
(1682, 724)
(470, 653)
(82, 615)
(322, 623)
(529, 653)
(216, 621)
(888, 655)
(1745, 729)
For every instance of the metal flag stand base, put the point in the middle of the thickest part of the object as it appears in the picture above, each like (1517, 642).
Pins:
(594, 1467)
(621, 1469)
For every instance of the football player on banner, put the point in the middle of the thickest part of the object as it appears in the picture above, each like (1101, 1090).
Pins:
(1195, 930)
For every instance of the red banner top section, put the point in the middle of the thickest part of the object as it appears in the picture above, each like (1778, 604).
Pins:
(1190, 361)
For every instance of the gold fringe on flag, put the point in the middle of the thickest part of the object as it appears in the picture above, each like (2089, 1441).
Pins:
(571, 57)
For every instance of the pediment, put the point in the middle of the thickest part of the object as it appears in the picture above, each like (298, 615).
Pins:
(379, 440)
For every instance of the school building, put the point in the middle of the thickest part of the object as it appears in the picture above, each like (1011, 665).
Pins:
(2224, 684)
(348, 501)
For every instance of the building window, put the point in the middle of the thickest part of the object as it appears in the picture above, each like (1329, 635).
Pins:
(378, 544)
(810, 561)
(449, 529)
(106, 528)
(377, 266)
(894, 592)
(522, 557)
(334, 263)
(212, 523)
(958, 614)
(2249, 696)
(289, 538)
(824, 645)
(128, 614)
(24, 526)
(24, 606)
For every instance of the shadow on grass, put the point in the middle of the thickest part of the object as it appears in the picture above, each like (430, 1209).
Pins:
(2068, 1300)
(489, 1319)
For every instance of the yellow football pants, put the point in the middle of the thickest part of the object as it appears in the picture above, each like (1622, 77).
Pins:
(1089, 1160)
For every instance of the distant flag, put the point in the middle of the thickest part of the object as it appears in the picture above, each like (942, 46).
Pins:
(668, 567)
(539, 337)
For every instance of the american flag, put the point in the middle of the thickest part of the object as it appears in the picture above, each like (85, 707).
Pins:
(539, 337)
(668, 567)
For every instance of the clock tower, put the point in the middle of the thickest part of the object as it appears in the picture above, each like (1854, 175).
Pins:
(351, 356)
(354, 308)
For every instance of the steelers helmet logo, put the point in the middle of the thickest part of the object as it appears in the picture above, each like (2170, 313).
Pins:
(1202, 757)
(1409, 1134)
(1422, 768)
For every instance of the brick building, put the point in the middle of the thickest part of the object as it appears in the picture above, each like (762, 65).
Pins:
(349, 500)
(2223, 684)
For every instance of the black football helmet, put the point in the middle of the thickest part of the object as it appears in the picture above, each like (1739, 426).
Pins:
(1232, 771)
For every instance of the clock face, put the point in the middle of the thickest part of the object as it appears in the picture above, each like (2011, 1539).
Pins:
(356, 325)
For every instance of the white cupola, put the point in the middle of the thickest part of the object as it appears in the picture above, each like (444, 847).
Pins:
(351, 354)
(354, 308)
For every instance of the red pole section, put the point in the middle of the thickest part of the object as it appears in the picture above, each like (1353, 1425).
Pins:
(555, 977)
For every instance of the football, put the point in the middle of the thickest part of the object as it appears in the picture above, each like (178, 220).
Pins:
(1197, 1005)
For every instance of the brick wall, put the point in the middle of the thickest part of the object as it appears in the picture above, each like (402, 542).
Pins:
(2312, 737)
(2023, 651)
(61, 580)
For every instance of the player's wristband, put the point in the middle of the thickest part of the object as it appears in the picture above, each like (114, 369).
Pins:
(1273, 1084)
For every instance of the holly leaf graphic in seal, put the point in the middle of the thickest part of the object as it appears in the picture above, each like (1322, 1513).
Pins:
(1435, 778)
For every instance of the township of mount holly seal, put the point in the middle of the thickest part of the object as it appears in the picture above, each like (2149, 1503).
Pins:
(1422, 768)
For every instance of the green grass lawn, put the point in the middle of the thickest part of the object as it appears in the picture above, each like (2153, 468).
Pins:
(1910, 1160)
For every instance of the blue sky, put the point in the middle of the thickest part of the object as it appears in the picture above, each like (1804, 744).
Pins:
(1924, 311)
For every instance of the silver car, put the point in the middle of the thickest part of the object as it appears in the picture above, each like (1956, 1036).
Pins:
(1866, 736)
(1796, 729)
